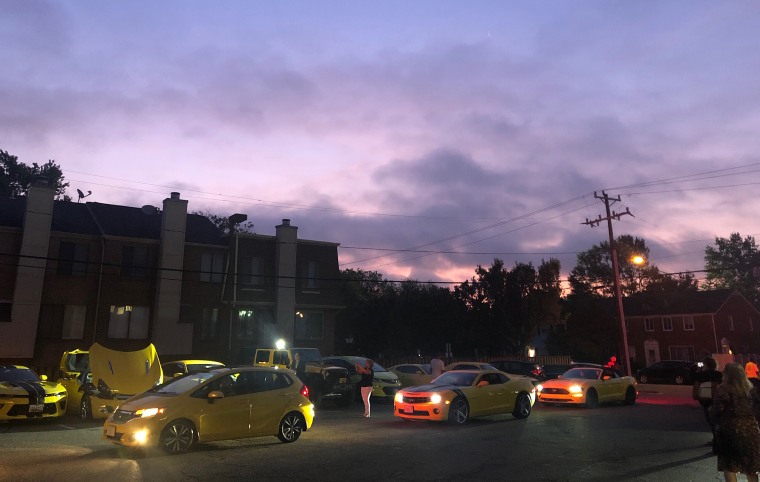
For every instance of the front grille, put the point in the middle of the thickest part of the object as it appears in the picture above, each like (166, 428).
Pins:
(22, 410)
(416, 399)
(121, 416)
(555, 391)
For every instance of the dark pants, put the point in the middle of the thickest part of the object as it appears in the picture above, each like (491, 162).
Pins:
(706, 409)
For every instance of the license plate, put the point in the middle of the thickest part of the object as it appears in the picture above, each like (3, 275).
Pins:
(110, 431)
(407, 408)
(36, 408)
(342, 379)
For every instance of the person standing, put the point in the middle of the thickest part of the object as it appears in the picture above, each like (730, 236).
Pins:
(711, 377)
(752, 372)
(737, 436)
(365, 384)
(299, 367)
(436, 366)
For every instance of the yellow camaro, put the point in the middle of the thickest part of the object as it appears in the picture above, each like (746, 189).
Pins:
(24, 395)
(458, 395)
(588, 386)
(218, 404)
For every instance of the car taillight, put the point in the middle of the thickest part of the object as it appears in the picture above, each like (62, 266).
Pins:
(305, 391)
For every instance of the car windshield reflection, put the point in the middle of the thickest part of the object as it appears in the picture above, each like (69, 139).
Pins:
(459, 379)
(183, 383)
(582, 373)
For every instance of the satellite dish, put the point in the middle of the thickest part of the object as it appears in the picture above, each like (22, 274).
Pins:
(82, 195)
(149, 210)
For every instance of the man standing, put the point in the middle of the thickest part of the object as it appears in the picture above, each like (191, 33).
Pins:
(705, 382)
(436, 366)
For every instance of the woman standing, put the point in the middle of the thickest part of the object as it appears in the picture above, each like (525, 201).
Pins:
(737, 436)
(365, 384)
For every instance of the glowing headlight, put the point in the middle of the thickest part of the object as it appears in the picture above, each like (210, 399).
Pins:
(435, 398)
(575, 389)
(141, 436)
(539, 387)
(148, 412)
(399, 397)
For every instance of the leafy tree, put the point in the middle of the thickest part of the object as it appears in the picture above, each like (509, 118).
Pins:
(15, 176)
(731, 264)
(223, 222)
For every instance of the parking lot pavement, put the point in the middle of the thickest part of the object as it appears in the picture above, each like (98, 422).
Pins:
(681, 391)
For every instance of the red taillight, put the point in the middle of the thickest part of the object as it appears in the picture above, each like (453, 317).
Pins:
(305, 391)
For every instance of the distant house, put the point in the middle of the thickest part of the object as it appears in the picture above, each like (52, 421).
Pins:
(77, 273)
(690, 326)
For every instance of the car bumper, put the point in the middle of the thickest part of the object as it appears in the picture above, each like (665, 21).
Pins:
(570, 399)
(137, 432)
(20, 409)
(437, 412)
(104, 407)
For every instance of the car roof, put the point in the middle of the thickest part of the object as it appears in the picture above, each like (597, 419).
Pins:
(194, 362)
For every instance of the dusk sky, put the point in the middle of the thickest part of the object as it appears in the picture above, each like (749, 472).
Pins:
(426, 137)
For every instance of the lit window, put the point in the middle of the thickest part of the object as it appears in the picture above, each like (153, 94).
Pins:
(128, 322)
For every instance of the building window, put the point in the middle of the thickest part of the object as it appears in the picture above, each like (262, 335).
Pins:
(688, 323)
(246, 327)
(73, 322)
(212, 267)
(682, 353)
(250, 271)
(648, 324)
(134, 261)
(310, 275)
(730, 322)
(310, 326)
(72, 258)
(5, 311)
(129, 322)
(209, 320)
(667, 324)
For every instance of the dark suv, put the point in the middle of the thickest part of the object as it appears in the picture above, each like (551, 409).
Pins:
(521, 367)
(668, 371)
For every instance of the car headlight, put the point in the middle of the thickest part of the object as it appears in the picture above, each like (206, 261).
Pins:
(575, 389)
(149, 412)
(539, 387)
(435, 398)
(399, 397)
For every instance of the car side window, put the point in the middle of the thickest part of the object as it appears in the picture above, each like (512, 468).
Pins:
(226, 384)
(281, 358)
(262, 356)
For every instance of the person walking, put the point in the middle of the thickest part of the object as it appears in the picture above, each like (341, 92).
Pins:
(737, 436)
(436, 366)
(365, 384)
(706, 381)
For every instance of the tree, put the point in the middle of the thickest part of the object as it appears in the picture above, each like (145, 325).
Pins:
(15, 177)
(223, 223)
(731, 264)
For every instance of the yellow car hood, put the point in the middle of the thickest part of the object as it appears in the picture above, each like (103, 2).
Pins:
(126, 372)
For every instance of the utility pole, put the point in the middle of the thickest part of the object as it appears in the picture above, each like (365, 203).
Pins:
(613, 252)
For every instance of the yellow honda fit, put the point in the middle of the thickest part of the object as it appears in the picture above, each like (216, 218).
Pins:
(217, 404)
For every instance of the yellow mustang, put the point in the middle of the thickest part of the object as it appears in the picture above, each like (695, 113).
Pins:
(24, 395)
(217, 404)
(458, 395)
(588, 386)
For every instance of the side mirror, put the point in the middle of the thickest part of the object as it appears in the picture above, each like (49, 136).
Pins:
(606, 377)
(214, 395)
(177, 375)
(43, 378)
(482, 383)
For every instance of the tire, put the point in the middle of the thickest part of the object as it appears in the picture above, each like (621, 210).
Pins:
(643, 379)
(630, 396)
(592, 399)
(680, 380)
(178, 437)
(459, 411)
(85, 408)
(291, 427)
(522, 406)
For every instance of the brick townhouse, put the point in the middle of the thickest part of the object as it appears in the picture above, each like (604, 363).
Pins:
(77, 273)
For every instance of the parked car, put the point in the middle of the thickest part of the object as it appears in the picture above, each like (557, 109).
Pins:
(178, 368)
(25, 395)
(468, 366)
(385, 383)
(412, 374)
(551, 372)
(588, 386)
(458, 395)
(521, 367)
(75, 374)
(218, 404)
(678, 372)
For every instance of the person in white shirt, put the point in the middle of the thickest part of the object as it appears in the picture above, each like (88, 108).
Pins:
(436, 366)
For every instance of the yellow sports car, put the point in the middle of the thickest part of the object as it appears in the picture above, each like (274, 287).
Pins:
(180, 367)
(588, 386)
(217, 404)
(75, 373)
(458, 395)
(116, 376)
(465, 365)
(412, 374)
(24, 395)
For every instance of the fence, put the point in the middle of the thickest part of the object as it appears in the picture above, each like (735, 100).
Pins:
(541, 360)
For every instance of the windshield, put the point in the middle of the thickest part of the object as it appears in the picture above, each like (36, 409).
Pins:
(197, 367)
(582, 373)
(307, 354)
(183, 383)
(18, 375)
(460, 379)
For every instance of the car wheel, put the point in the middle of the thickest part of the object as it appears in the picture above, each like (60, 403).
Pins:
(522, 406)
(630, 396)
(592, 399)
(291, 427)
(459, 411)
(643, 379)
(85, 408)
(680, 379)
(178, 437)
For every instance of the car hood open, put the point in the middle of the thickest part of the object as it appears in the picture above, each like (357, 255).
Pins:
(125, 372)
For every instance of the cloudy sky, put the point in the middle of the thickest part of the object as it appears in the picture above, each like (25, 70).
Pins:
(426, 137)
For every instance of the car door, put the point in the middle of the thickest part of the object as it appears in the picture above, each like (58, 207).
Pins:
(481, 396)
(226, 417)
(271, 395)
(610, 386)
(501, 399)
